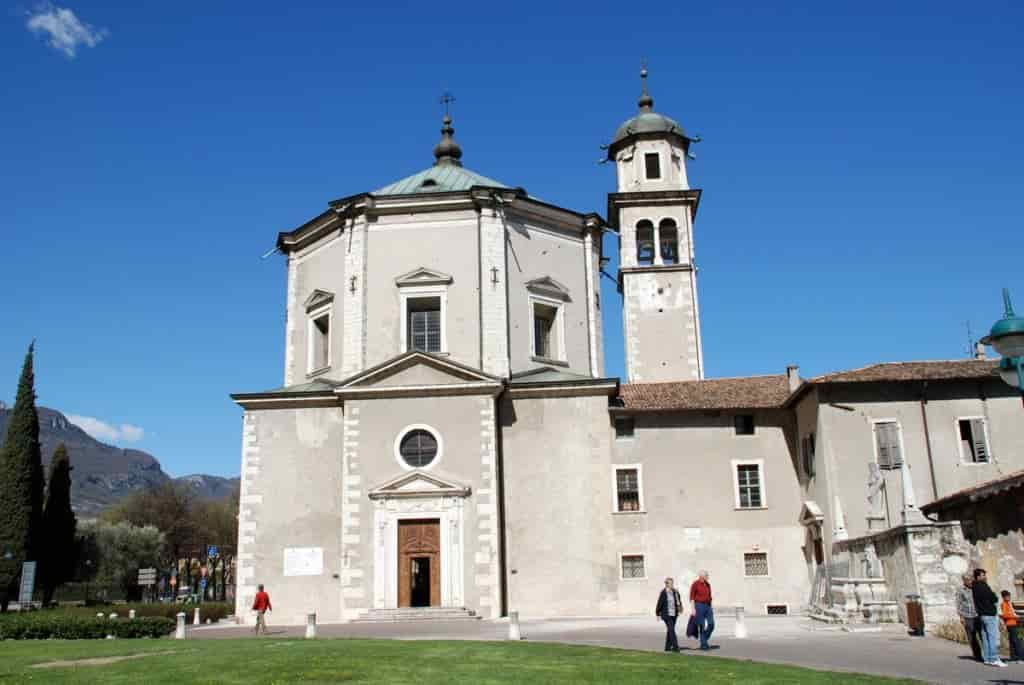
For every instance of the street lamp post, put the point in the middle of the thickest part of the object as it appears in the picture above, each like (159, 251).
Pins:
(1007, 338)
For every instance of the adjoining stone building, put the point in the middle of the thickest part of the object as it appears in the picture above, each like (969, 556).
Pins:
(446, 439)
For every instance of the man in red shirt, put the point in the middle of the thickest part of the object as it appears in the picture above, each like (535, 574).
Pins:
(700, 607)
(261, 605)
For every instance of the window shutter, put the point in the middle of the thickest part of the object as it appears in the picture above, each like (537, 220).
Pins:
(978, 435)
(888, 440)
(894, 445)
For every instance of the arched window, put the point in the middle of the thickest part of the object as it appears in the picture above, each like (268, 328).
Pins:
(645, 243)
(418, 448)
(668, 236)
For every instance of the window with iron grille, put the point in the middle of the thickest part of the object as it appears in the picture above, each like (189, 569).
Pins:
(755, 564)
(777, 609)
(973, 445)
(424, 324)
(627, 489)
(887, 445)
(625, 427)
(418, 448)
(744, 424)
(748, 480)
(633, 566)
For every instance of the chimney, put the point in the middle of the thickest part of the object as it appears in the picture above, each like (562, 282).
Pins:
(793, 376)
(979, 350)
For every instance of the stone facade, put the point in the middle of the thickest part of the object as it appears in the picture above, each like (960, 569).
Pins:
(488, 465)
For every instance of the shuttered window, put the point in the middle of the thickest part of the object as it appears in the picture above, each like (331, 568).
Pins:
(627, 489)
(973, 445)
(424, 324)
(887, 444)
(807, 452)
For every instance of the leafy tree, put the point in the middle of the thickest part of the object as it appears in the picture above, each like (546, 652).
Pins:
(169, 508)
(21, 485)
(122, 550)
(57, 558)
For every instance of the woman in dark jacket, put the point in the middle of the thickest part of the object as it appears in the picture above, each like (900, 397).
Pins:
(668, 609)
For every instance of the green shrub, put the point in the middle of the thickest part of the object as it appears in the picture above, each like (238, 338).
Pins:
(207, 610)
(47, 625)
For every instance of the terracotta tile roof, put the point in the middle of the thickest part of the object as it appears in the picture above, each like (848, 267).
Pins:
(914, 371)
(976, 492)
(747, 392)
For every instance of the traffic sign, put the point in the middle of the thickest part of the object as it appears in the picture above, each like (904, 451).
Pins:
(202, 583)
(147, 576)
(211, 551)
(28, 582)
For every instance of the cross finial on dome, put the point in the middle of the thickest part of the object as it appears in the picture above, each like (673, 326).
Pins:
(447, 151)
(646, 102)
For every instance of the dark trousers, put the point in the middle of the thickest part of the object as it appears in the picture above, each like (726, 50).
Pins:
(705, 623)
(972, 626)
(1014, 638)
(671, 643)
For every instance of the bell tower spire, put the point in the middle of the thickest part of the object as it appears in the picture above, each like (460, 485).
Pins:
(447, 151)
(654, 210)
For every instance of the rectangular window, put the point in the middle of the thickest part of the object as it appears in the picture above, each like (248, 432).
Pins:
(749, 488)
(973, 445)
(652, 164)
(633, 566)
(755, 564)
(744, 424)
(777, 609)
(887, 445)
(625, 427)
(320, 342)
(424, 324)
(545, 331)
(627, 489)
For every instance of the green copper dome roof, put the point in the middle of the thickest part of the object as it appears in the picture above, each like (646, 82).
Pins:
(645, 122)
(442, 178)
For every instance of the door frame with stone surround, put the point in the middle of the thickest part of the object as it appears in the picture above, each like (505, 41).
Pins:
(418, 495)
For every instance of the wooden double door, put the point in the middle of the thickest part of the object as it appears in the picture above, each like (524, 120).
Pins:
(419, 563)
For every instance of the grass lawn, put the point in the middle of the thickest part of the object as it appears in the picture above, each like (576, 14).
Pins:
(268, 660)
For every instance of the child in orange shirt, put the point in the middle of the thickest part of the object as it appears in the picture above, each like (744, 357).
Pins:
(1009, 617)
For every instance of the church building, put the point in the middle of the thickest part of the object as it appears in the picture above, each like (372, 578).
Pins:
(445, 439)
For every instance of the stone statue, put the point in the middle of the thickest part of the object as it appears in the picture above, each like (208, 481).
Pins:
(875, 484)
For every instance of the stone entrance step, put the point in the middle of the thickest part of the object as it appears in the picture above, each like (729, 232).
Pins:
(417, 614)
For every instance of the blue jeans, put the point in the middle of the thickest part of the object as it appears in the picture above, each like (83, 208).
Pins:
(989, 638)
(705, 622)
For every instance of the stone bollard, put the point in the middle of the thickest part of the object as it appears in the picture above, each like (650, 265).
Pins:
(741, 623)
(310, 626)
(195, 617)
(100, 614)
(513, 626)
(179, 630)
(112, 617)
(131, 614)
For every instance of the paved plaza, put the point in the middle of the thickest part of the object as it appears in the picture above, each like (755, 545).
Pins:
(786, 640)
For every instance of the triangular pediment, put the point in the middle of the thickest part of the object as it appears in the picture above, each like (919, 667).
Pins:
(548, 287)
(423, 276)
(420, 370)
(319, 298)
(419, 484)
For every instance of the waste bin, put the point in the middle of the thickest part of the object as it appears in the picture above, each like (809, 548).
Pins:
(915, 615)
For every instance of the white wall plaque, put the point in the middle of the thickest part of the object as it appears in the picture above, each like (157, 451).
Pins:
(303, 561)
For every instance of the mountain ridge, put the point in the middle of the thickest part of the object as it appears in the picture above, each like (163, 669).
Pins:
(103, 474)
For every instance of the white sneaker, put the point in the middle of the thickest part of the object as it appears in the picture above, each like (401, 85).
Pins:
(999, 663)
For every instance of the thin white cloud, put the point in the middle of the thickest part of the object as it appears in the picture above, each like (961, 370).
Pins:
(104, 431)
(65, 32)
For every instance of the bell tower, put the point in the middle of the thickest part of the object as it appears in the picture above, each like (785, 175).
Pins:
(653, 211)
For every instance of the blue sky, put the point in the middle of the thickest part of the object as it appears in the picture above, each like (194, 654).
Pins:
(861, 168)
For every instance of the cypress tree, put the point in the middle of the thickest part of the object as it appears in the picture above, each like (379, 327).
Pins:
(21, 485)
(58, 554)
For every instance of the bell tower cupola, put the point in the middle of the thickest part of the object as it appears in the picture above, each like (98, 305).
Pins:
(653, 210)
